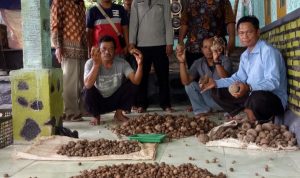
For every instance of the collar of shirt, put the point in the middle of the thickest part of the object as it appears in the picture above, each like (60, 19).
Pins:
(256, 48)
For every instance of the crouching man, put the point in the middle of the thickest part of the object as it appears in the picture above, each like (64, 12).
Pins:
(260, 82)
(107, 87)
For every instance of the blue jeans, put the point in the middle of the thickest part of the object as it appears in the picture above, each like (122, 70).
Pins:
(201, 102)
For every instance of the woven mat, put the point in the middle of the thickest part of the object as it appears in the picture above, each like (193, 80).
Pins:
(45, 148)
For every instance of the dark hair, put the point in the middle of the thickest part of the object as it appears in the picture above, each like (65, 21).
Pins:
(251, 19)
(206, 37)
(107, 38)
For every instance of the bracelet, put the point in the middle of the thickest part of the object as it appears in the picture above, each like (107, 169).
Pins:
(181, 62)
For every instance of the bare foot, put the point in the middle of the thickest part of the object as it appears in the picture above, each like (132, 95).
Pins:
(189, 109)
(119, 116)
(95, 121)
(169, 110)
(134, 108)
(140, 110)
(197, 116)
(236, 118)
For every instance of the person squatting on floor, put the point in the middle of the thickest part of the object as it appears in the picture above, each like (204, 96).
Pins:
(213, 64)
(261, 78)
(110, 83)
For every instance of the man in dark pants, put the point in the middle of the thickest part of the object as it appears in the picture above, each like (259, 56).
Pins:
(150, 29)
(105, 80)
(261, 78)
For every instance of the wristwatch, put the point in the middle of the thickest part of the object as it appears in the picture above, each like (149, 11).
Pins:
(218, 63)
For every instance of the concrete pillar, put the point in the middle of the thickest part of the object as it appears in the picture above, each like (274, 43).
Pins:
(36, 89)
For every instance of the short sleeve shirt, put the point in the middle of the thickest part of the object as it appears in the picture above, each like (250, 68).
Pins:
(109, 80)
(201, 68)
(95, 20)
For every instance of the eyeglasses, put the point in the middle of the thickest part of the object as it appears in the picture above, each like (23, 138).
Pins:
(241, 33)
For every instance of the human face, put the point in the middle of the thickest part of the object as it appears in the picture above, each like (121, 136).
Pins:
(207, 43)
(107, 50)
(248, 35)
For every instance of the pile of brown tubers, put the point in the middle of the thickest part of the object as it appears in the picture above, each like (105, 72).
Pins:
(85, 148)
(173, 126)
(146, 170)
(265, 135)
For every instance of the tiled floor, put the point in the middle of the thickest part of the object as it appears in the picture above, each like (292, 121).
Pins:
(247, 162)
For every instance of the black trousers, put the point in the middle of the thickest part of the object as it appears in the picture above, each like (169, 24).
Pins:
(264, 104)
(123, 99)
(156, 55)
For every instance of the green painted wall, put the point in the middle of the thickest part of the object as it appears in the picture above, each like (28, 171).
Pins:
(36, 34)
(36, 98)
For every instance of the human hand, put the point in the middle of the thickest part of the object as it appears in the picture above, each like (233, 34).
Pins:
(96, 56)
(169, 50)
(207, 85)
(243, 90)
(180, 53)
(216, 55)
(58, 54)
(138, 56)
(130, 47)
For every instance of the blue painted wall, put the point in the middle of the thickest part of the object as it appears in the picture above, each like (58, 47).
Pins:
(292, 5)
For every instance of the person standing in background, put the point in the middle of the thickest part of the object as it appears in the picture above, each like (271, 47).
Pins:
(205, 18)
(150, 29)
(68, 36)
(98, 25)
